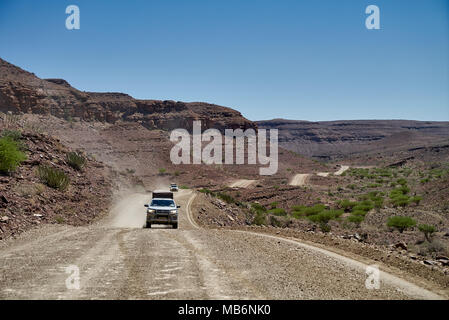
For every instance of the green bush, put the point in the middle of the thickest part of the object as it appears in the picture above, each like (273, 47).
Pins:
(162, 171)
(346, 204)
(401, 223)
(76, 160)
(274, 204)
(52, 177)
(416, 199)
(258, 207)
(225, 197)
(357, 219)
(10, 155)
(427, 230)
(278, 212)
(206, 191)
(365, 205)
(260, 219)
(325, 216)
(400, 201)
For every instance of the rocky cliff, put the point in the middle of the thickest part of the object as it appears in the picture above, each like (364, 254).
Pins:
(336, 139)
(23, 92)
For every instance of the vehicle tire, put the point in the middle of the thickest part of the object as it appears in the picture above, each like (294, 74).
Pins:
(148, 225)
(175, 226)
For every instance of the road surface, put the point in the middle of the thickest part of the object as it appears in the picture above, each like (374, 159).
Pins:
(299, 179)
(118, 259)
(242, 183)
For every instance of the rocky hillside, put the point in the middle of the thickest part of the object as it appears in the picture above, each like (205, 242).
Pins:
(339, 139)
(23, 92)
(26, 200)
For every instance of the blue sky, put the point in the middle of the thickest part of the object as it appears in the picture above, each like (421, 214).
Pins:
(310, 59)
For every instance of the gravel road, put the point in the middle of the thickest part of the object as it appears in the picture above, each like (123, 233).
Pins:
(118, 259)
(242, 183)
(299, 179)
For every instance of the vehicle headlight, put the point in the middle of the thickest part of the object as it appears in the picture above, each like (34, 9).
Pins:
(173, 211)
(151, 211)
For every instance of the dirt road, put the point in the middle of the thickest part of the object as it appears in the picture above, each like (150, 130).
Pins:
(300, 179)
(242, 183)
(341, 170)
(117, 259)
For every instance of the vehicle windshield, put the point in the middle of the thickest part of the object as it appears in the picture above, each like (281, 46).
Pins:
(162, 203)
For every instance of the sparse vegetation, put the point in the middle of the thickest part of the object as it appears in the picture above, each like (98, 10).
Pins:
(76, 160)
(10, 155)
(401, 223)
(427, 230)
(52, 177)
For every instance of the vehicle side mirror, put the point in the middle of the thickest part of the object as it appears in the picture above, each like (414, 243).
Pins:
(178, 207)
(145, 205)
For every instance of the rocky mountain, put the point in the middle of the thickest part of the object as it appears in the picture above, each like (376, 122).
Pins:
(337, 139)
(23, 92)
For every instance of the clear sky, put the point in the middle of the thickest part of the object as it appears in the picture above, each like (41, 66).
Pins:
(310, 59)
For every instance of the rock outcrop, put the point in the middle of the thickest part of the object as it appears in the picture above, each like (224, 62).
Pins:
(23, 92)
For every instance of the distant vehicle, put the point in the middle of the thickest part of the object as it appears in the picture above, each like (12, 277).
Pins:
(174, 187)
(162, 209)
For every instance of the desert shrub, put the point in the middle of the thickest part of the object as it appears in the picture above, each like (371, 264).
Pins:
(357, 219)
(12, 134)
(274, 204)
(225, 197)
(10, 155)
(278, 212)
(162, 171)
(365, 205)
(59, 219)
(260, 219)
(177, 173)
(360, 213)
(258, 207)
(300, 211)
(325, 227)
(346, 205)
(378, 202)
(76, 160)
(428, 230)
(401, 223)
(52, 177)
(183, 187)
(416, 199)
(325, 216)
(401, 181)
(400, 201)
(351, 186)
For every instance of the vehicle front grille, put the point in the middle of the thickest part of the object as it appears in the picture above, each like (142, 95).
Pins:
(162, 211)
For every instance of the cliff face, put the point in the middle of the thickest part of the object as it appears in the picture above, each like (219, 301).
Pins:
(23, 92)
(336, 139)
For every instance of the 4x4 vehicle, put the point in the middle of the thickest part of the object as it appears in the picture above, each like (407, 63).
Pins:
(162, 209)
(174, 187)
